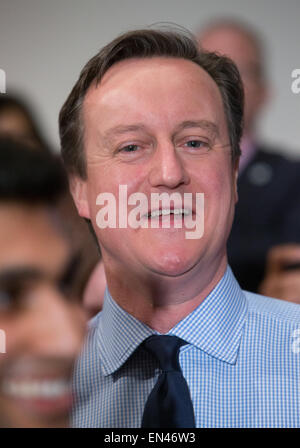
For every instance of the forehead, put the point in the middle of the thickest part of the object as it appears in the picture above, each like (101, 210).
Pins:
(29, 237)
(136, 67)
(153, 83)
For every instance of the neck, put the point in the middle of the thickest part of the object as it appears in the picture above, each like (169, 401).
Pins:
(161, 302)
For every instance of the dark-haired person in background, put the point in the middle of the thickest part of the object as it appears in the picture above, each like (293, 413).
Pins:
(94, 289)
(178, 343)
(18, 122)
(282, 276)
(268, 211)
(43, 322)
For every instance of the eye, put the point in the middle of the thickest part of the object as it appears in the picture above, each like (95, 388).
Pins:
(11, 299)
(5, 301)
(197, 144)
(15, 289)
(129, 148)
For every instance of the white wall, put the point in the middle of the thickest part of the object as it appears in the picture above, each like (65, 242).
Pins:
(44, 44)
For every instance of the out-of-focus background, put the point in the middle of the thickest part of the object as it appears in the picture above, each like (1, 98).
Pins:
(44, 44)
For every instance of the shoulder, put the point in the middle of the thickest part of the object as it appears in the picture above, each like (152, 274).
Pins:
(277, 160)
(272, 309)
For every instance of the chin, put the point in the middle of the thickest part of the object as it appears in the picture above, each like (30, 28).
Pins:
(172, 264)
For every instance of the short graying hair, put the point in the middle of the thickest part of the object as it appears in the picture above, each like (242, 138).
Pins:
(147, 43)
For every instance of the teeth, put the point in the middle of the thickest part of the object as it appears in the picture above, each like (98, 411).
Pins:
(175, 211)
(36, 389)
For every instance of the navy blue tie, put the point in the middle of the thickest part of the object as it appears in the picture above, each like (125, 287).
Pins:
(169, 404)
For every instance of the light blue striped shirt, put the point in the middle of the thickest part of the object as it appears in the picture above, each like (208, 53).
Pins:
(242, 363)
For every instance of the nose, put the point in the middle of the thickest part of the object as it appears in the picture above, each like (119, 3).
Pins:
(167, 168)
(57, 326)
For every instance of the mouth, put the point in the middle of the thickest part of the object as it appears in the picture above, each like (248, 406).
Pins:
(40, 395)
(176, 212)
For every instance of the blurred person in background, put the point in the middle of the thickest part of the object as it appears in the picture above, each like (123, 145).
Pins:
(282, 277)
(43, 323)
(17, 121)
(90, 281)
(268, 211)
(93, 294)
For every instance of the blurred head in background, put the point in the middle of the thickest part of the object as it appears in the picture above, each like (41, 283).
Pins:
(93, 294)
(239, 42)
(17, 121)
(43, 323)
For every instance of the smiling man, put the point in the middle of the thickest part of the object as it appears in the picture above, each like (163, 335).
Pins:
(176, 344)
(43, 325)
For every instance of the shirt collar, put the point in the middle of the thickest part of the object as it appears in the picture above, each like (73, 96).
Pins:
(215, 326)
(119, 334)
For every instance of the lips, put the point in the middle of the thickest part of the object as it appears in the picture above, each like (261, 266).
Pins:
(36, 388)
(169, 211)
(39, 395)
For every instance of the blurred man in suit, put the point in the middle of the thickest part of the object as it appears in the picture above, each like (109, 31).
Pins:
(268, 211)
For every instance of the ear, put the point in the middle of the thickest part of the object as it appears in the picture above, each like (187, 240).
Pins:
(78, 189)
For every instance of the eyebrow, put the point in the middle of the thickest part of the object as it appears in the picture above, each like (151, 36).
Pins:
(121, 129)
(203, 124)
(15, 277)
(18, 274)
(14, 281)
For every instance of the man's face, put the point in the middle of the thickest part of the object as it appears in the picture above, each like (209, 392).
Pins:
(237, 46)
(43, 328)
(158, 125)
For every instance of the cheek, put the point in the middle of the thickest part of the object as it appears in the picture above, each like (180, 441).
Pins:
(108, 179)
(16, 328)
(213, 181)
(219, 195)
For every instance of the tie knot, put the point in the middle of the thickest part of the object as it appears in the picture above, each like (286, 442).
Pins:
(165, 349)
